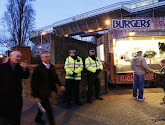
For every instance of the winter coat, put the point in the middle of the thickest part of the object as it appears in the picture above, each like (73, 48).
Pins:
(11, 88)
(73, 65)
(93, 65)
(160, 81)
(139, 65)
(44, 81)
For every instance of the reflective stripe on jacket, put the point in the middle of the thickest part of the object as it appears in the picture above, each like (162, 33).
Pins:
(71, 66)
(92, 65)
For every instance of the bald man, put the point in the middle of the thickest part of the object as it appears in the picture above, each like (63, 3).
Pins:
(11, 74)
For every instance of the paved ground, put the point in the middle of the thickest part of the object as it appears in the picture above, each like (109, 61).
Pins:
(117, 108)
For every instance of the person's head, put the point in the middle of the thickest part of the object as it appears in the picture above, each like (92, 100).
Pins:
(15, 57)
(140, 53)
(45, 57)
(72, 52)
(91, 52)
(162, 62)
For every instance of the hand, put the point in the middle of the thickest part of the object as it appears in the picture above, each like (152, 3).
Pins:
(98, 71)
(23, 64)
(62, 88)
(36, 99)
(73, 75)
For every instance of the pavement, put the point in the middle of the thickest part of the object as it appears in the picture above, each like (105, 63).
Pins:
(117, 108)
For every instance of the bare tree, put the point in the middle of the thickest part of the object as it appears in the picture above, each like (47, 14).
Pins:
(19, 19)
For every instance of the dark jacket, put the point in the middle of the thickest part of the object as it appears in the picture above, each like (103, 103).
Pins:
(160, 81)
(44, 81)
(11, 88)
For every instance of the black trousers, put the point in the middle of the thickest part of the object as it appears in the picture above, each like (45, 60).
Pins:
(47, 106)
(69, 84)
(93, 86)
(13, 119)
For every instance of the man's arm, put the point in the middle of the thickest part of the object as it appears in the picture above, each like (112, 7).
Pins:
(58, 81)
(80, 68)
(66, 67)
(35, 83)
(25, 74)
(145, 66)
(56, 78)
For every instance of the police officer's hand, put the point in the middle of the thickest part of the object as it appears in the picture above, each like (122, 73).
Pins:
(73, 75)
(62, 88)
(98, 71)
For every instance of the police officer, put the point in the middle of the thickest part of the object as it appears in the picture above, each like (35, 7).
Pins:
(94, 67)
(73, 68)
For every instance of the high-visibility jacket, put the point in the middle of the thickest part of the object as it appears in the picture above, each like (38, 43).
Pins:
(71, 66)
(92, 65)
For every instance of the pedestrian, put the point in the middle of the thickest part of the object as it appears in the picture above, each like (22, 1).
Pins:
(94, 67)
(11, 74)
(43, 82)
(139, 67)
(73, 68)
(160, 81)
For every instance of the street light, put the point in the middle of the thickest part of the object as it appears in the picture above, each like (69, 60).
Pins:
(107, 22)
(5, 44)
(42, 33)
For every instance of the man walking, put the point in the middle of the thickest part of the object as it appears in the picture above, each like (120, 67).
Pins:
(12, 72)
(94, 67)
(139, 67)
(73, 68)
(43, 82)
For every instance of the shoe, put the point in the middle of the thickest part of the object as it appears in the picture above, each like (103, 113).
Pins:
(141, 100)
(99, 98)
(40, 121)
(134, 98)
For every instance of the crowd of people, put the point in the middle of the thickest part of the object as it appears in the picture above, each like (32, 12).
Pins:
(44, 80)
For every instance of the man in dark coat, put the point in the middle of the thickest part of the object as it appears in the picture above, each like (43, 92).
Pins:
(160, 81)
(11, 74)
(43, 82)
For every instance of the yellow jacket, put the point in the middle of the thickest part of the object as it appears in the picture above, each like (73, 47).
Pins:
(92, 65)
(71, 66)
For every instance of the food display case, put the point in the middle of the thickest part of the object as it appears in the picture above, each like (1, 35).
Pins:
(125, 48)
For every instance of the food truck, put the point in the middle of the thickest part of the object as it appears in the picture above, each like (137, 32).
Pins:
(125, 37)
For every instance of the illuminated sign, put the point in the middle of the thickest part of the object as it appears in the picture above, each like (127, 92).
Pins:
(130, 23)
(80, 17)
(129, 78)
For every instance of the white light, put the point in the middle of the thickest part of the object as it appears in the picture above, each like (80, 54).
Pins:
(39, 47)
(43, 33)
(107, 22)
(131, 33)
(1, 56)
